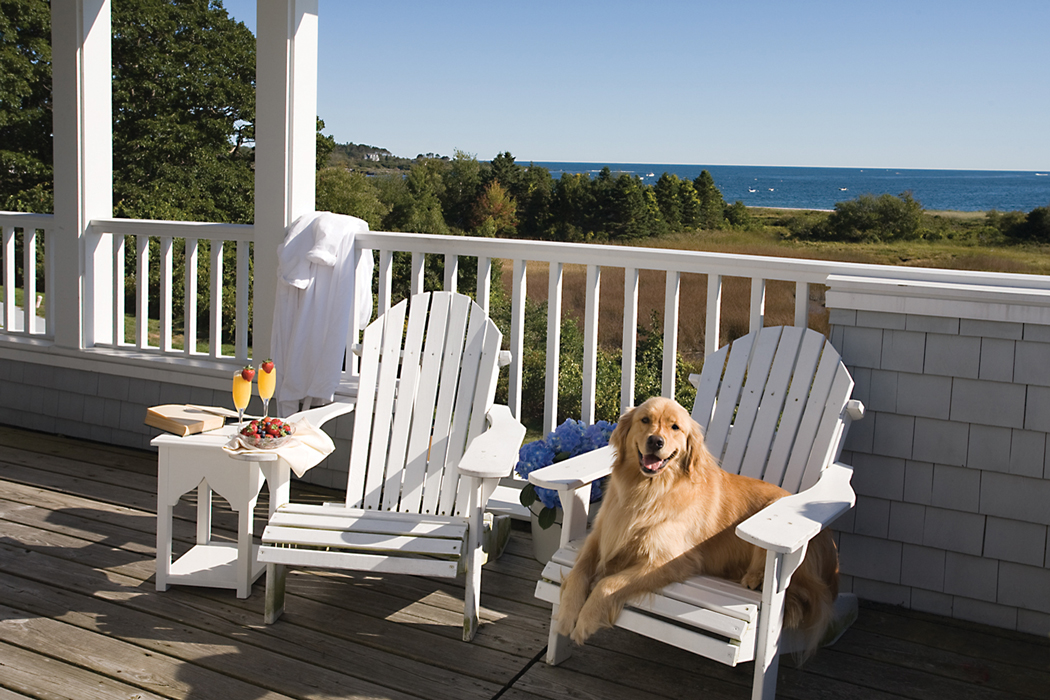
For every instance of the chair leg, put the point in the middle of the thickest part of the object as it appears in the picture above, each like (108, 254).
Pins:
(559, 647)
(472, 595)
(276, 576)
(475, 558)
(779, 568)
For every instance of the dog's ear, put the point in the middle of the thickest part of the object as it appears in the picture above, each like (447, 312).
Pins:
(618, 438)
(698, 457)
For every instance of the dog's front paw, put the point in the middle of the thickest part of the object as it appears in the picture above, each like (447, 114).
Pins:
(564, 623)
(753, 579)
(587, 623)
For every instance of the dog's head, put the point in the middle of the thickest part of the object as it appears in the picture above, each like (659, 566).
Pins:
(660, 437)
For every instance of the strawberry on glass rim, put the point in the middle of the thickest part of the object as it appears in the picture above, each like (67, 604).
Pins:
(267, 383)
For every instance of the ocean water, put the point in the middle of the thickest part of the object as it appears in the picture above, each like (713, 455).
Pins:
(821, 188)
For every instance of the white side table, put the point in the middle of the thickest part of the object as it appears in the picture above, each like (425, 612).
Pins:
(199, 462)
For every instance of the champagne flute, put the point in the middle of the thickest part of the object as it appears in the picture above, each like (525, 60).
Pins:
(242, 392)
(267, 384)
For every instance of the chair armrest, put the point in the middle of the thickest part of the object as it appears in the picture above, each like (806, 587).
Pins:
(786, 525)
(575, 472)
(493, 454)
(322, 414)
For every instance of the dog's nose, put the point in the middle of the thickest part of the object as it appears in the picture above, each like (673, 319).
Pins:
(655, 442)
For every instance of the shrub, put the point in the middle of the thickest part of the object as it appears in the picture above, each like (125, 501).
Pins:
(870, 219)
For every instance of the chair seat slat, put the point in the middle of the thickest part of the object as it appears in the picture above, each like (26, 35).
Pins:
(362, 541)
(367, 524)
(376, 563)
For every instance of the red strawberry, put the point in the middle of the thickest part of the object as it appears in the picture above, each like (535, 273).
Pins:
(248, 373)
(267, 366)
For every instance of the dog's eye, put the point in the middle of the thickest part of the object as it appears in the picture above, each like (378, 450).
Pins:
(645, 420)
(674, 427)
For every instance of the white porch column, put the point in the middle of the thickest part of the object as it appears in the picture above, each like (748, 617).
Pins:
(82, 91)
(285, 141)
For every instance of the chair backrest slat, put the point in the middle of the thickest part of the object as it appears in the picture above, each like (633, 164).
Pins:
(484, 395)
(774, 395)
(468, 373)
(758, 371)
(772, 405)
(446, 402)
(423, 411)
(408, 383)
(727, 393)
(829, 432)
(820, 390)
(707, 388)
(371, 342)
(389, 364)
(797, 397)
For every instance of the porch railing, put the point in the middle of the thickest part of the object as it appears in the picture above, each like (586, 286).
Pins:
(224, 241)
(24, 235)
(716, 267)
(221, 240)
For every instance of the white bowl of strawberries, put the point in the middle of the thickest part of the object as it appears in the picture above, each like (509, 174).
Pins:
(266, 433)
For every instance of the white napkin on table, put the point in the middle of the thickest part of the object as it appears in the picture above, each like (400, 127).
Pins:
(308, 446)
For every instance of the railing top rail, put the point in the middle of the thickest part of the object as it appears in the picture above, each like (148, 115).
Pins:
(701, 262)
(206, 230)
(24, 220)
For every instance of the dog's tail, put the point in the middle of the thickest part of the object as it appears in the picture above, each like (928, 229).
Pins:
(811, 595)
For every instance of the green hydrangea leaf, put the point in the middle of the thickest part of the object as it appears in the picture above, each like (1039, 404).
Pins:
(547, 517)
(528, 495)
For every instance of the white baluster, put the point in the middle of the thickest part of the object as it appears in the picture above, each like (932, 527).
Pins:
(517, 335)
(713, 326)
(550, 403)
(189, 311)
(672, 292)
(630, 337)
(590, 343)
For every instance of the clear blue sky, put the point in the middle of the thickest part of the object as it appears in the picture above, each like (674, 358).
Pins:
(910, 84)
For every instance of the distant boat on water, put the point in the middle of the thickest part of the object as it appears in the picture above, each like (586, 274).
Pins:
(843, 189)
(752, 189)
(1041, 174)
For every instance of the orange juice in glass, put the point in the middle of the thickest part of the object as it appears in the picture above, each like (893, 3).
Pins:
(242, 392)
(267, 384)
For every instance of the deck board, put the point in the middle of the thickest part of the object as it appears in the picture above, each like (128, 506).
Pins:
(80, 617)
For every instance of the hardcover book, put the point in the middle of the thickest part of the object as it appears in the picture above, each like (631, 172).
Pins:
(187, 420)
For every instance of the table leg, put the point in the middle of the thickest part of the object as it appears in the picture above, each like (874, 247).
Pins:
(279, 482)
(164, 515)
(245, 560)
(203, 513)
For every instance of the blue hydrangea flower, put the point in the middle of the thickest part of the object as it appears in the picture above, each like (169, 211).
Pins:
(532, 456)
(597, 435)
(569, 439)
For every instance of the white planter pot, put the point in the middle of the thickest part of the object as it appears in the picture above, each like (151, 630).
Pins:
(545, 542)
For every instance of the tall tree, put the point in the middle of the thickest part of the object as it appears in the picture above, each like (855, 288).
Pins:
(345, 192)
(496, 212)
(535, 198)
(25, 106)
(183, 109)
(462, 180)
(667, 190)
(712, 205)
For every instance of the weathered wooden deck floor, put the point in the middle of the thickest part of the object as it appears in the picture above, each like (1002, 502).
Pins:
(80, 618)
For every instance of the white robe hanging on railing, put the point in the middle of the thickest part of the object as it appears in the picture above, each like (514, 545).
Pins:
(320, 281)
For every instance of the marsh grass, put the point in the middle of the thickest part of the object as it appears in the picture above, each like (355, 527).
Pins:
(964, 251)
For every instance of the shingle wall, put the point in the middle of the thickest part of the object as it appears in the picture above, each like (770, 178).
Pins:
(111, 408)
(951, 466)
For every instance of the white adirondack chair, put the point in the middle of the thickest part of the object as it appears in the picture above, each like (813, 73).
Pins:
(428, 447)
(774, 405)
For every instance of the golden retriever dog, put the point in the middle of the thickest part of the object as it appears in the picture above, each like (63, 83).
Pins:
(670, 512)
